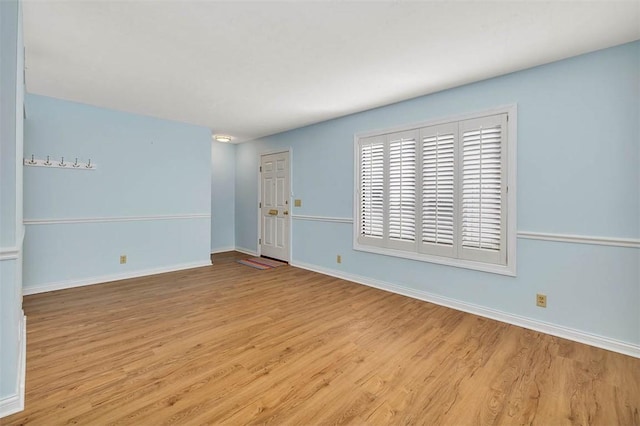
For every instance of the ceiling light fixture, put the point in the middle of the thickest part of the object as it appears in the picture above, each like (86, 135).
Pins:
(222, 138)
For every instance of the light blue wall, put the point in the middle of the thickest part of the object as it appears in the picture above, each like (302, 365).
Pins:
(223, 171)
(8, 99)
(578, 162)
(145, 167)
(11, 95)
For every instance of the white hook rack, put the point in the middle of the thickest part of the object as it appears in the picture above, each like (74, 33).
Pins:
(59, 164)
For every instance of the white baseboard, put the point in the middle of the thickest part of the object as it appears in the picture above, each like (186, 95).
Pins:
(223, 249)
(61, 285)
(532, 324)
(15, 403)
(246, 251)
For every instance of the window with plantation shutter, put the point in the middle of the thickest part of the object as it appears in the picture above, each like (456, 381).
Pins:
(441, 192)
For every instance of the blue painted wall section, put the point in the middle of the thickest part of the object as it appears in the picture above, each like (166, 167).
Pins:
(11, 230)
(147, 169)
(578, 156)
(223, 175)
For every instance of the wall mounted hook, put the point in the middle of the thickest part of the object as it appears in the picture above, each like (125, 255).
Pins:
(58, 164)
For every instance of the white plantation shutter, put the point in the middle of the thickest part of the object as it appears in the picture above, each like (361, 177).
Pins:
(483, 190)
(439, 193)
(371, 221)
(438, 197)
(402, 188)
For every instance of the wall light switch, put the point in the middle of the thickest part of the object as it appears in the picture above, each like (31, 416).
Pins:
(297, 203)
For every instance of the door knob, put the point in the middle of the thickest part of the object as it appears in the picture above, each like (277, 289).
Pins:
(273, 212)
(286, 212)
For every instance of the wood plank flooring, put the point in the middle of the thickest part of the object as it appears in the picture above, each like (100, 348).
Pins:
(229, 344)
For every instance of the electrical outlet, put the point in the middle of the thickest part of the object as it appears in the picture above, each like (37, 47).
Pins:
(297, 203)
(541, 300)
(339, 259)
(123, 259)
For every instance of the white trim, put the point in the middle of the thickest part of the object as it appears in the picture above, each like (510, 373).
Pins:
(509, 108)
(61, 285)
(223, 249)
(11, 404)
(543, 236)
(9, 253)
(529, 323)
(581, 239)
(441, 260)
(322, 218)
(14, 403)
(115, 219)
(259, 207)
(247, 251)
(512, 184)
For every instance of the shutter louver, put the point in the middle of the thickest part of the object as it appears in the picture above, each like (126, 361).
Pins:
(438, 188)
(482, 188)
(402, 189)
(372, 190)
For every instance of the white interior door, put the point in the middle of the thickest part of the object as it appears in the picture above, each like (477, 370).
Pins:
(275, 221)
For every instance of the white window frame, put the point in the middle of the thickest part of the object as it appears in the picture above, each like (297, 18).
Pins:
(510, 214)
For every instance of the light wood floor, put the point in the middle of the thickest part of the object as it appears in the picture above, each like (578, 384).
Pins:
(229, 344)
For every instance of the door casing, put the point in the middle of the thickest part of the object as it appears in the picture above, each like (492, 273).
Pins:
(289, 198)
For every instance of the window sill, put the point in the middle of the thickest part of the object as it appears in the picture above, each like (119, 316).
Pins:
(509, 270)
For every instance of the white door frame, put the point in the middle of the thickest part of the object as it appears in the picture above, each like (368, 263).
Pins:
(259, 212)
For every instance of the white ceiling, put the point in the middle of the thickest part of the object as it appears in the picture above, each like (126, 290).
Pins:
(251, 69)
